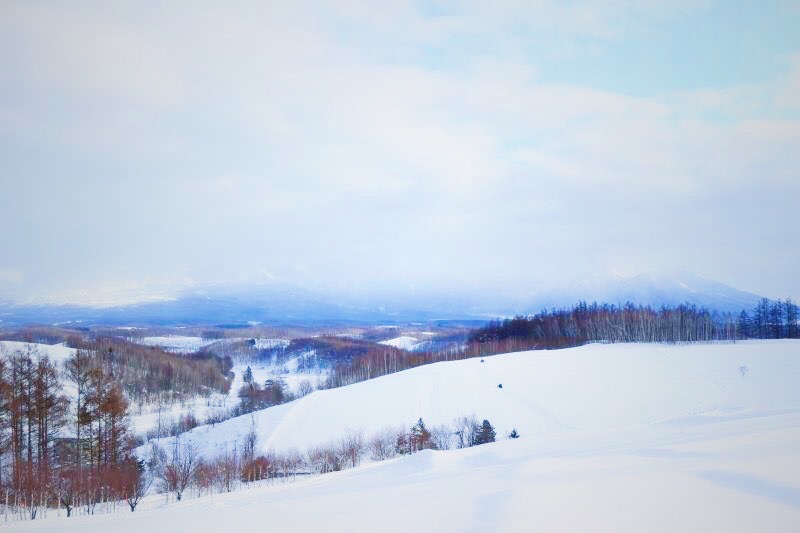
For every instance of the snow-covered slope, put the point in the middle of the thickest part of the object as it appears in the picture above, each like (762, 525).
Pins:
(58, 353)
(597, 387)
(614, 438)
(403, 342)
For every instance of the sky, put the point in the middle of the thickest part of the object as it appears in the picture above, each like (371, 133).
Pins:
(356, 146)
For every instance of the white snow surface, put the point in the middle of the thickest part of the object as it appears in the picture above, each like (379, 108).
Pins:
(175, 343)
(613, 438)
(267, 344)
(402, 342)
(58, 353)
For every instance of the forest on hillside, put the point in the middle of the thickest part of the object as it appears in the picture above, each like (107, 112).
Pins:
(585, 323)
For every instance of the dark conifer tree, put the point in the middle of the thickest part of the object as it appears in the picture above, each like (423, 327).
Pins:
(485, 434)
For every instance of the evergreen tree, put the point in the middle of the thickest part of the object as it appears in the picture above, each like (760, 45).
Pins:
(420, 437)
(791, 319)
(248, 375)
(485, 434)
(513, 434)
(744, 325)
(776, 320)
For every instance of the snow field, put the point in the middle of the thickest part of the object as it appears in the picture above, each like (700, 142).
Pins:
(613, 438)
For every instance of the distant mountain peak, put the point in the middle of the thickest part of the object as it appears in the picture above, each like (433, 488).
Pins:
(654, 288)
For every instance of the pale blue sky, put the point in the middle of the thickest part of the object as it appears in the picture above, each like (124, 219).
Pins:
(395, 145)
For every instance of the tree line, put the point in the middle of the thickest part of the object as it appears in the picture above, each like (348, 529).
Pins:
(179, 468)
(585, 323)
(581, 324)
(770, 319)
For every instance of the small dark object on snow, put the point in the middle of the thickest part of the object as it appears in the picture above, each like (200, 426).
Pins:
(481, 360)
(500, 386)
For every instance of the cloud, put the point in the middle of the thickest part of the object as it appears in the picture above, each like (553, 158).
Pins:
(374, 147)
(11, 275)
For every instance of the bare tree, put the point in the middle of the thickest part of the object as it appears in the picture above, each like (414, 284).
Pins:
(466, 427)
(382, 445)
(352, 448)
(249, 442)
(304, 388)
(442, 437)
(179, 470)
(136, 482)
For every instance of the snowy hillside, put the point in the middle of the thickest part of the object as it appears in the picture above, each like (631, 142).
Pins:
(700, 437)
(58, 353)
(597, 387)
(403, 342)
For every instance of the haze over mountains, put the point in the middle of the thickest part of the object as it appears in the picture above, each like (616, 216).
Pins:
(278, 302)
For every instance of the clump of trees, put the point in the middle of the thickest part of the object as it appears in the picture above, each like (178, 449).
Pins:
(770, 319)
(254, 396)
(372, 360)
(180, 468)
(57, 452)
(149, 374)
(417, 439)
(463, 432)
(171, 427)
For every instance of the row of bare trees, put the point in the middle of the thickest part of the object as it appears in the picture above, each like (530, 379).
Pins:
(629, 323)
(602, 323)
(180, 468)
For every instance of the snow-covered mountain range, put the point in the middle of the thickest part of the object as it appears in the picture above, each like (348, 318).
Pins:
(284, 303)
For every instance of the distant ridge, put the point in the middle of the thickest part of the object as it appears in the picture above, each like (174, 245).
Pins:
(654, 289)
(287, 304)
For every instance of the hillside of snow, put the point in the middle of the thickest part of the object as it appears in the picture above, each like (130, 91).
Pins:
(57, 353)
(702, 437)
(597, 387)
(403, 342)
